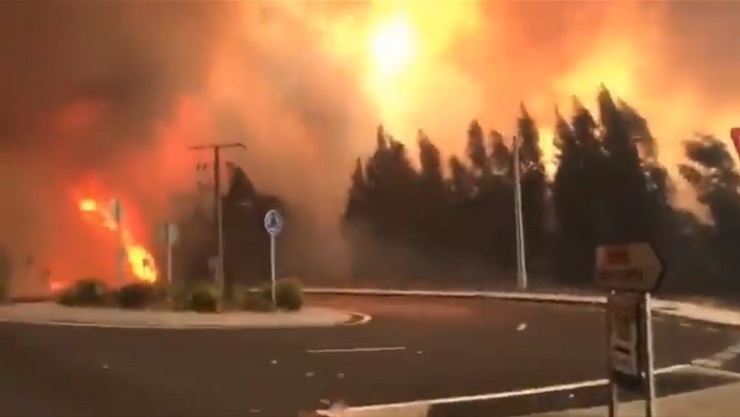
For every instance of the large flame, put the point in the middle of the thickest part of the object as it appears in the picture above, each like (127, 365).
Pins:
(141, 262)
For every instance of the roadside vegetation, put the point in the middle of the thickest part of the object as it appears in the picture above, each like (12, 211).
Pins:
(200, 296)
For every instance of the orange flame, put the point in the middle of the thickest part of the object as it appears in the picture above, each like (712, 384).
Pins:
(140, 261)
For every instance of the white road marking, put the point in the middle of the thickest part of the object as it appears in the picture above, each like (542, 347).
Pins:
(716, 371)
(509, 394)
(707, 363)
(356, 350)
(685, 324)
(713, 329)
(724, 356)
(720, 358)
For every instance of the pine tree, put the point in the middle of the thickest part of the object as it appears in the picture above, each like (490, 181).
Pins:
(357, 199)
(711, 172)
(476, 150)
(432, 218)
(577, 195)
(626, 201)
(534, 183)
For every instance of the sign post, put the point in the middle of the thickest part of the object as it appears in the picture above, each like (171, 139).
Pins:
(630, 273)
(116, 212)
(171, 235)
(273, 226)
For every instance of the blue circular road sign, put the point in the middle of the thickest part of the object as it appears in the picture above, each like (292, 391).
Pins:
(273, 222)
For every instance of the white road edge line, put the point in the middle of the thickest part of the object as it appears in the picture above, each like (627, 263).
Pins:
(352, 350)
(509, 394)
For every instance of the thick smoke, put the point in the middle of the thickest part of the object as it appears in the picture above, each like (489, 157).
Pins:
(105, 97)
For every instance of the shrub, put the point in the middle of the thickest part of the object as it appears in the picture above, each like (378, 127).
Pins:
(203, 299)
(85, 292)
(137, 295)
(253, 301)
(175, 295)
(288, 294)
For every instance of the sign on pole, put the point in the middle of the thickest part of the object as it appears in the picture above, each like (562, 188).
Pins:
(630, 267)
(630, 272)
(273, 226)
(273, 222)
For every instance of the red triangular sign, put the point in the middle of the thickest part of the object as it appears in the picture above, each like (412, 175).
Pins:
(735, 135)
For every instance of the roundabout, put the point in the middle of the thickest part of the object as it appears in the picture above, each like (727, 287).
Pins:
(414, 348)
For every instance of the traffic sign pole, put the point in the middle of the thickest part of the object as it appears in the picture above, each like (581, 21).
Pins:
(117, 214)
(649, 355)
(171, 236)
(273, 226)
(273, 279)
(613, 391)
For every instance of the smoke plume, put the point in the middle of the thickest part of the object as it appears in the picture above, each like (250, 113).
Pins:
(106, 97)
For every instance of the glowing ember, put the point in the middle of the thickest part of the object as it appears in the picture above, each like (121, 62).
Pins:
(141, 262)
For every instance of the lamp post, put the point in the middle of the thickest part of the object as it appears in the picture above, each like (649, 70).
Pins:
(521, 260)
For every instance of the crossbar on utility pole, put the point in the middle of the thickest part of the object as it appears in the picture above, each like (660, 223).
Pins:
(216, 147)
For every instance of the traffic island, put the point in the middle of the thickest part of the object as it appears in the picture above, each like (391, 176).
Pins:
(50, 313)
(88, 302)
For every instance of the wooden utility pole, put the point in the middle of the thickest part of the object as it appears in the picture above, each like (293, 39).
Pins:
(216, 148)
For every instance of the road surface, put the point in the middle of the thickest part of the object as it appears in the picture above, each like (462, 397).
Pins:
(414, 348)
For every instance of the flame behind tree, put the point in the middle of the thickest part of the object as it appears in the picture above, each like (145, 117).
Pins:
(141, 262)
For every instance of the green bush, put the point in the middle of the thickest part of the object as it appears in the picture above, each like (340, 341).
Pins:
(288, 294)
(136, 295)
(203, 299)
(85, 292)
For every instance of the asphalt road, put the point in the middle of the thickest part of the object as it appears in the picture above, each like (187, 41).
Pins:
(412, 349)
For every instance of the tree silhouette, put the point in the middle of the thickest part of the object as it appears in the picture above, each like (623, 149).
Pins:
(711, 172)
(626, 203)
(534, 183)
(576, 195)
(608, 187)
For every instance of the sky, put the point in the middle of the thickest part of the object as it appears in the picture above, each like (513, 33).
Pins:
(102, 99)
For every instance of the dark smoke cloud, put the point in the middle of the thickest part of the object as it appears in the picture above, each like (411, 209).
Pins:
(135, 57)
(116, 90)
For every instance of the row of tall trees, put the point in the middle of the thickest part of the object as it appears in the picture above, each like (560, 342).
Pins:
(454, 218)
(450, 221)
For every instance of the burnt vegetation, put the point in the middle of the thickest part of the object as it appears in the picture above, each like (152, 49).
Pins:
(430, 220)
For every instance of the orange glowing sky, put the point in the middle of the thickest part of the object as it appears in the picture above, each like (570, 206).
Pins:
(304, 83)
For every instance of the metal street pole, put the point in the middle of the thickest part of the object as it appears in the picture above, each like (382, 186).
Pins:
(117, 214)
(220, 282)
(521, 261)
(650, 409)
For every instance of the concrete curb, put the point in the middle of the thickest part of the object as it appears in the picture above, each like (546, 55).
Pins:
(353, 319)
(661, 306)
(500, 295)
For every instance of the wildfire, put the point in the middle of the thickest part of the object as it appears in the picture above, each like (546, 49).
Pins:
(140, 261)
